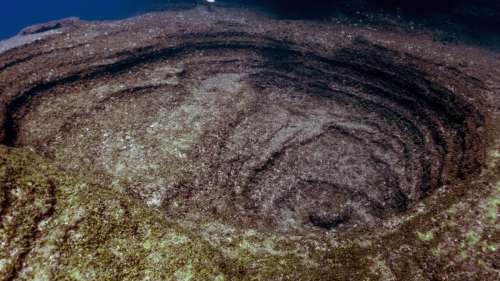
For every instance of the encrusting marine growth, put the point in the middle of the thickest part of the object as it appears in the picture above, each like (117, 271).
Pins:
(231, 146)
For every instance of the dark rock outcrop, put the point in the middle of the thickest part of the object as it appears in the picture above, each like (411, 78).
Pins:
(42, 27)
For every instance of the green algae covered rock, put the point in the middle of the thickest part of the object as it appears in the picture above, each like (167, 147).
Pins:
(57, 227)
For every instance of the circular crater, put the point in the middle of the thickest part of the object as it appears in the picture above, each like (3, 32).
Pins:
(256, 131)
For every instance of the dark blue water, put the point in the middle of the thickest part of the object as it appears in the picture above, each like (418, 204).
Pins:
(17, 14)
(477, 20)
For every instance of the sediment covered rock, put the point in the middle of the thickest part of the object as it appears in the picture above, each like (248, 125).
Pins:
(234, 147)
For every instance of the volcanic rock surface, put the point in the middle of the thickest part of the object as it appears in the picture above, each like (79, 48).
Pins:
(260, 149)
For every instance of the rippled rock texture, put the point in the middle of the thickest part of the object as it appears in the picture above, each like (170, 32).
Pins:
(222, 145)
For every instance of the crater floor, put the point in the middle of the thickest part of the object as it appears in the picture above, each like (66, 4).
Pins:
(288, 150)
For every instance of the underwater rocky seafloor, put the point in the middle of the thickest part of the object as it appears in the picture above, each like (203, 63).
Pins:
(224, 145)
